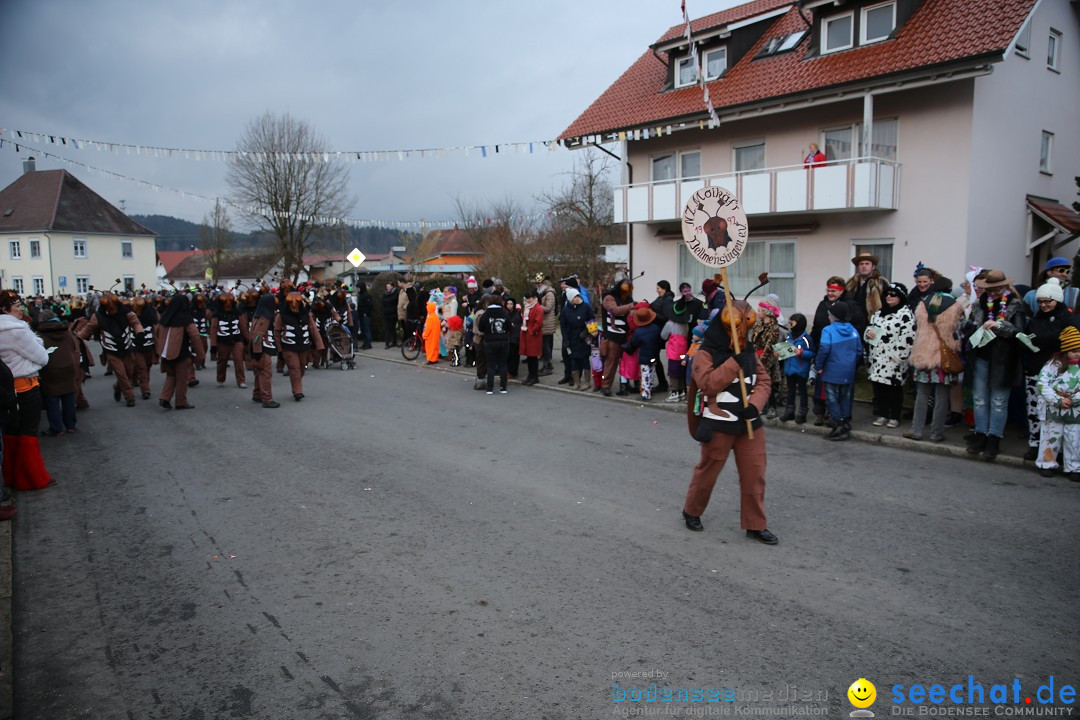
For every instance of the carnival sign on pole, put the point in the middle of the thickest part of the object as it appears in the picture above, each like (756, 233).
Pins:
(714, 227)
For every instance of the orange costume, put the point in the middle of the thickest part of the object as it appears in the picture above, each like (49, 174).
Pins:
(432, 333)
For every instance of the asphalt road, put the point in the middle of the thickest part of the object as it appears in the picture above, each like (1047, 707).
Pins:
(401, 546)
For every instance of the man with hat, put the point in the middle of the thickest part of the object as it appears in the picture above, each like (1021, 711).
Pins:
(1060, 268)
(866, 289)
(646, 340)
(995, 365)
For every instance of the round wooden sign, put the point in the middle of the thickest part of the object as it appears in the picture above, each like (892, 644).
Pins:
(714, 227)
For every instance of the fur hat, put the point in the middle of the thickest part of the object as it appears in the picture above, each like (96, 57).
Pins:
(1050, 291)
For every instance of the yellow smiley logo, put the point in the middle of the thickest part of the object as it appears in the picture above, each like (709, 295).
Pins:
(862, 693)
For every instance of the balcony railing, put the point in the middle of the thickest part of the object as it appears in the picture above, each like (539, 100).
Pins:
(842, 185)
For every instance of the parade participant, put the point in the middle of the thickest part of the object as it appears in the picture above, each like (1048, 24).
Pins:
(1059, 386)
(86, 358)
(721, 426)
(178, 344)
(228, 333)
(262, 349)
(295, 334)
(118, 326)
(323, 314)
(616, 305)
(58, 375)
(432, 333)
(144, 355)
(201, 315)
(24, 355)
(343, 313)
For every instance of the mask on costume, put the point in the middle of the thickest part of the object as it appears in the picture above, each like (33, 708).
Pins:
(742, 315)
(227, 301)
(200, 301)
(139, 305)
(294, 300)
(110, 303)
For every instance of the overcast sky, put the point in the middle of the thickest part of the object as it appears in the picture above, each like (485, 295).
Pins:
(367, 76)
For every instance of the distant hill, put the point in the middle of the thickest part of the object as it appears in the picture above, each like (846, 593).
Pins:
(177, 234)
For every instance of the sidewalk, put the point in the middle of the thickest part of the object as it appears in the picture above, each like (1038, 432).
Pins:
(1013, 446)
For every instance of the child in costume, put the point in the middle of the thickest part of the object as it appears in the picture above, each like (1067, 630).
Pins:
(1059, 386)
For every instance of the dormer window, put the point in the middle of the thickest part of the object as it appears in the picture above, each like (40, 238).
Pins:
(685, 72)
(878, 22)
(715, 63)
(837, 33)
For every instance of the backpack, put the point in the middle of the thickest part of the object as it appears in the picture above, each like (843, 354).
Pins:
(9, 403)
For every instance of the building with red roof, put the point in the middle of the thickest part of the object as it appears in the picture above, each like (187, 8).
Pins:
(947, 127)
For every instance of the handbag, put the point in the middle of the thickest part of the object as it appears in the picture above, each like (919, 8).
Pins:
(951, 362)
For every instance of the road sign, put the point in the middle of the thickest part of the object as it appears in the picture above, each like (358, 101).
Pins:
(63, 281)
(356, 257)
(714, 227)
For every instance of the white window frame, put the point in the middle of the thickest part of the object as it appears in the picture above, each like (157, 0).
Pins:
(129, 246)
(17, 284)
(739, 144)
(1053, 50)
(1046, 164)
(1023, 41)
(679, 62)
(76, 243)
(82, 284)
(705, 60)
(677, 155)
(38, 283)
(128, 282)
(863, 40)
(825, 49)
(35, 244)
(15, 249)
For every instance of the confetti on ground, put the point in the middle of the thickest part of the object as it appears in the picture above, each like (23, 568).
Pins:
(232, 556)
(367, 488)
(655, 422)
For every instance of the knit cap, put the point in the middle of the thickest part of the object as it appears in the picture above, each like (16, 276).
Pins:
(1070, 339)
(1050, 291)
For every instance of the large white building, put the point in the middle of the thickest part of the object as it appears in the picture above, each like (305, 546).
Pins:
(57, 236)
(949, 128)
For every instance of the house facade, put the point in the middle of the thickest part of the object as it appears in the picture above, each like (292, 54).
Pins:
(945, 124)
(57, 236)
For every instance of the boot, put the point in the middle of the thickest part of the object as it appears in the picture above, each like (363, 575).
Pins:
(789, 414)
(842, 431)
(834, 434)
(575, 381)
(990, 452)
(819, 420)
(976, 443)
(800, 417)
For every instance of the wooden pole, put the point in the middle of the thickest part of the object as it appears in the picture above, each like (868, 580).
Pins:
(735, 347)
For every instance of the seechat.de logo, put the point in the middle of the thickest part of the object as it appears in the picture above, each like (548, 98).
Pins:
(862, 695)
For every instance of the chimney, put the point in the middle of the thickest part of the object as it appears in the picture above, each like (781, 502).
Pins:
(28, 165)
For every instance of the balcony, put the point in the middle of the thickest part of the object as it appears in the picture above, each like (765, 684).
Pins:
(840, 186)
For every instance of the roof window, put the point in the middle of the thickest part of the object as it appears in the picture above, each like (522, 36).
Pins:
(837, 33)
(780, 44)
(878, 22)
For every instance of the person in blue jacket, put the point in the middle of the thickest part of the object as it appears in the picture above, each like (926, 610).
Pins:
(797, 370)
(840, 350)
(646, 340)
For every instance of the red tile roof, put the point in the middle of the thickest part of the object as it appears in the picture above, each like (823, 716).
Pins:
(171, 258)
(56, 200)
(1067, 219)
(939, 33)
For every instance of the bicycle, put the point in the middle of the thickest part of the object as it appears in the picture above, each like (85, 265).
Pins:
(412, 344)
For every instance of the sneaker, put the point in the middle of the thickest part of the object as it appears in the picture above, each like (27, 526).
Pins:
(503, 391)
(243, 386)
(672, 398)
(271, 404)
(490, 392)
(1046, 472)
(893, 424)
(880, 421)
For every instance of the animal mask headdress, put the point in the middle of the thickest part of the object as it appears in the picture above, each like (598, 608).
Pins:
(294, 300)
(227, 301)
(110, 303)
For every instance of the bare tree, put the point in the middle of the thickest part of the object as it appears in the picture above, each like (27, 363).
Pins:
(506, 236)
(282, 173)
(215, 238)
(581, 220)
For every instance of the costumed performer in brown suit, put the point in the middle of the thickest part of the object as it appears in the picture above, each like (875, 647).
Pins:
(262, 349)
(295, 334)
(178, 342)
(118, 326)
(721, 427)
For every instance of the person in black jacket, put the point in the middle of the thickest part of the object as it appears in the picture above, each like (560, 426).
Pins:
(364, 308)
(576, 314)
(495, 326)
(389, 314)
(1046, 324)
(513, 357)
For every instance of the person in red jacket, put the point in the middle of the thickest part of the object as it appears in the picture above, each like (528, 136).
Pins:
(532, 339)
(814, 158)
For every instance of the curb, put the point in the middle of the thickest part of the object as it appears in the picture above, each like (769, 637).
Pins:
(866, 436)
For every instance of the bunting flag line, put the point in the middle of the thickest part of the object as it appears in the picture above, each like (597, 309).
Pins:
(267, 212)
(352, 156)
(714, 119)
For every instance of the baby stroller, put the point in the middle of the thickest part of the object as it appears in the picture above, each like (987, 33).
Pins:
(340, 343)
